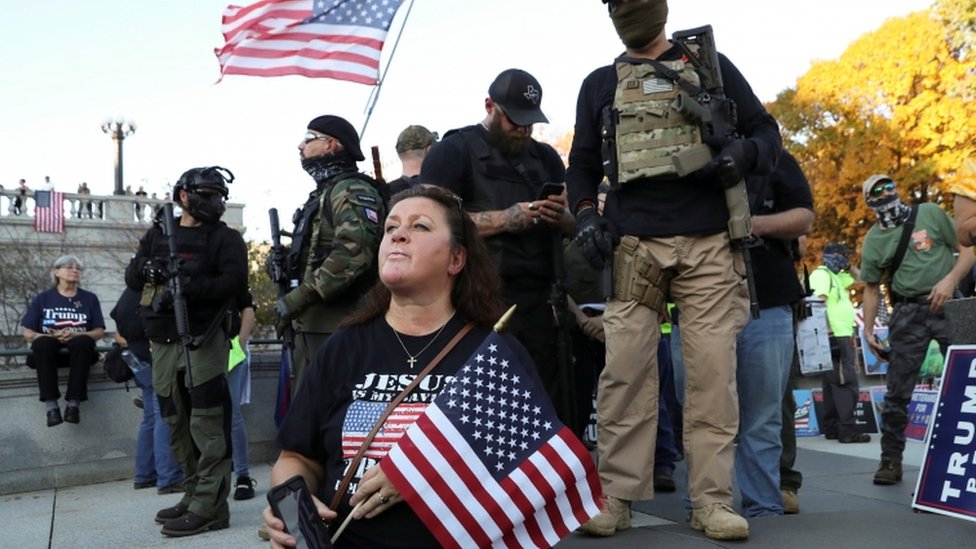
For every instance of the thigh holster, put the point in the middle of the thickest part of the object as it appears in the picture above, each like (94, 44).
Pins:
(637, 278)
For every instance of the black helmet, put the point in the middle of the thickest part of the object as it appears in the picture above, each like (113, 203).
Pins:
(213, 177)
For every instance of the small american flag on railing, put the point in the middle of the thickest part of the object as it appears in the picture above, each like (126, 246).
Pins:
(48, 212)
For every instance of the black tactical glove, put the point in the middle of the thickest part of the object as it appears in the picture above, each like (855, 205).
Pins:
(153, 272)
(595, 237)
(734, 159)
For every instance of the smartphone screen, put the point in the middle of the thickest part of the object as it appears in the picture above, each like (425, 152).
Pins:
(292, 503)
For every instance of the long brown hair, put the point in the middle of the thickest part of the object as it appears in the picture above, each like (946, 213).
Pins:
(477, 288)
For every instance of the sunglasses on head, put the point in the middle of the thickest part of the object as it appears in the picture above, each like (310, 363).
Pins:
(881, 189)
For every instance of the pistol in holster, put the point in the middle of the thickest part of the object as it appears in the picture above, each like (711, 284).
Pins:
(637, 278)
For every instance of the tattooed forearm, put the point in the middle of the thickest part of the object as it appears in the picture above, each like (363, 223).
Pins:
(482, 219)
(513, 219)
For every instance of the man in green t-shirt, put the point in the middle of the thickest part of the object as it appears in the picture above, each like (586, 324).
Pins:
(926, 277)
(831, 282)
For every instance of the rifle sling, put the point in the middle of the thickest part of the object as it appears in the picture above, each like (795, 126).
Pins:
(668, 73)
(389, 409)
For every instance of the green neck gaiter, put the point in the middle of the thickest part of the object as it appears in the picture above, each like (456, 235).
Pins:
(638, 23)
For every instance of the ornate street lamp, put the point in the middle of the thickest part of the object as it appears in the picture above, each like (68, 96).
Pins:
(118, 130)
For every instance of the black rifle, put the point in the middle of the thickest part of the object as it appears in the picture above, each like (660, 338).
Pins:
(716, 114)
(563, 320)
(279, 275)
(175, 284)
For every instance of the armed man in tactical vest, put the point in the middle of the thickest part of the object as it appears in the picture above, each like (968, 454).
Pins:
(190, 270)
(332, 258)
(660, 123)
(512, 187)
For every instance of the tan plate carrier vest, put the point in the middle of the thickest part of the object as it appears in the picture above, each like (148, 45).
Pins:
(649, 131)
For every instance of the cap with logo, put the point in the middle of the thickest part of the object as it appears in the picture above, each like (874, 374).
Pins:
(519, 94)
(341, 129)
(415, 138)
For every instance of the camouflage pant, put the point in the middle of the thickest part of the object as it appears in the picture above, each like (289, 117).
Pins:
(912, 327)
(306, 345)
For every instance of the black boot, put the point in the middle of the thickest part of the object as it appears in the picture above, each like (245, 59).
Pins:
(171, 513)
(191, 524)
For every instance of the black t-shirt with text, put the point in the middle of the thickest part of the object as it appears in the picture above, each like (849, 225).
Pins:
(355, 375)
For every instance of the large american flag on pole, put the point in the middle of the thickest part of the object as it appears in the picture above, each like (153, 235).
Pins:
(340, 39)
(489, 464)
(48, 212)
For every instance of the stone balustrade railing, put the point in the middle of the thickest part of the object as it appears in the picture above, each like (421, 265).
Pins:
(89, 208)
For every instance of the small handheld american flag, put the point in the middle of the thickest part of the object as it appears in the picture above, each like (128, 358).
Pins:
(488, 464)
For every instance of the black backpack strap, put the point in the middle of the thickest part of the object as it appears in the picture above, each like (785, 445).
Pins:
(906, 233)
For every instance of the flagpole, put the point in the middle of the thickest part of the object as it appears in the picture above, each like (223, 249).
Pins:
(374, 95)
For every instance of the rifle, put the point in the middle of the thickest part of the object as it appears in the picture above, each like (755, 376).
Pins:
(377, 165)
(565, 402)
(716, 114)
(279, 276)
(175, 284)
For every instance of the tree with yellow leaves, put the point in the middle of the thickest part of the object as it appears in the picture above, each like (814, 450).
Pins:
(900, 101)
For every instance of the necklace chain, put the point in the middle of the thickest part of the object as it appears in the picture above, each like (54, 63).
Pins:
(412, 361)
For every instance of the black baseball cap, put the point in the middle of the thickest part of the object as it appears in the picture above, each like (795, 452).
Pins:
(341, 129)
(519, 94)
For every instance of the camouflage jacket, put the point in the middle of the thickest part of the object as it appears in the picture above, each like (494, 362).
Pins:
(341, 262)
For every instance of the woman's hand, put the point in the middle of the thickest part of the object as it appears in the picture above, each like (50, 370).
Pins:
(276, 528)
(376, 493)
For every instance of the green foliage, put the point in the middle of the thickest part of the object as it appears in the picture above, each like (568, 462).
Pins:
(262, 288)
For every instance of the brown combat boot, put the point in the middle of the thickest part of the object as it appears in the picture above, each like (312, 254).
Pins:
(889, 472)
(615, 515)
(719, 521)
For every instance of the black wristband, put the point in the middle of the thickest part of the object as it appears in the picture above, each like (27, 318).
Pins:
(583, 204)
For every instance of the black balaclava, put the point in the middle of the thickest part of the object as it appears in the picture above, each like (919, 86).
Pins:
(206, 207)
(326, 166)
(638, 23)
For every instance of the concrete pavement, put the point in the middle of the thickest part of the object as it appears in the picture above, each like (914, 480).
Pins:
(840, 508)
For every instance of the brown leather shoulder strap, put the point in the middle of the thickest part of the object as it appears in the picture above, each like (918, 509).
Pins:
(389, 409)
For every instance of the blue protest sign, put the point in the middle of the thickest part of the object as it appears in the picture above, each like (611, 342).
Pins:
(947, 481)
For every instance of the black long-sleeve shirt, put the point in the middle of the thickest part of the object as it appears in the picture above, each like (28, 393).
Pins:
(214, 266)
(663, 207)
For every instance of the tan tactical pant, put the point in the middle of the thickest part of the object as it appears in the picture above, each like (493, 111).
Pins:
(710, 291)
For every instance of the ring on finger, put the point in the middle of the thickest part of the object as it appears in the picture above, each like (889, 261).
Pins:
(384, 498)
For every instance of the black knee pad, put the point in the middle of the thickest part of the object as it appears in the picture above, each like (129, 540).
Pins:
(167, 407)
(210, 394)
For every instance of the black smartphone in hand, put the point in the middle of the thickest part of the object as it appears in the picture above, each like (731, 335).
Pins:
(549, 189)
(292, 503)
